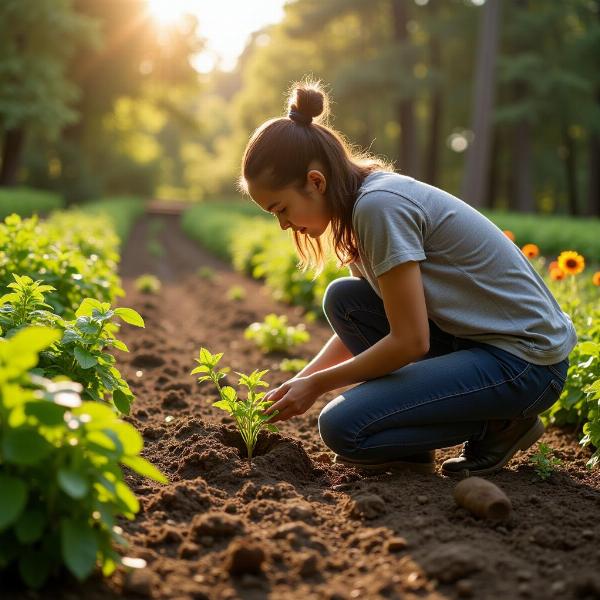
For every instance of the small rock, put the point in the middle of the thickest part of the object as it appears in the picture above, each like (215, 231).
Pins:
(366, 505)
(395, 544)
(140, 582)
(524, 575)
(464, 588)
(453, 561)
(559, 588)
(244, 557)
(422, 499)
(587, 534)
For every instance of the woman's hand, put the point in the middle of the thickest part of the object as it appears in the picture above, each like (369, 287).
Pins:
(294, 397)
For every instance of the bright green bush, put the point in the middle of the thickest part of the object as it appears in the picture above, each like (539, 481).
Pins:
(275, 335)
(62, 487)
(26, 201)
(75, 253)
(147, 284)
(123, 211)
(80, 354)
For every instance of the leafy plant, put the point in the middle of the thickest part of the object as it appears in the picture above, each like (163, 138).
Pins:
(275, 335)
(148, 284)
(292, 365)
(544, 462)
(80, 353)
(236, 293)
(206, 273)
(248, 413)
(62, 487)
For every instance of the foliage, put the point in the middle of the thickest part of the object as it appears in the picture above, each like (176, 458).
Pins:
(76, 254)
(292, 365)
(275, 335)
(60, 475)
(80, 354)
(544, 462)
(26, 201)
(148, 284)
(248, 413)
(236, 293)
(122, 211)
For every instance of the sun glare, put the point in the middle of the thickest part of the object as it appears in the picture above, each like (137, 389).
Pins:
(167, 12)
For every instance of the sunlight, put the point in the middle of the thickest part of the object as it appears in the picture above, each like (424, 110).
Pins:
(226, 36)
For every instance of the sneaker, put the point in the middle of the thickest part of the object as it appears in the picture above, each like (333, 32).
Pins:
(501, 442)
(421, 462)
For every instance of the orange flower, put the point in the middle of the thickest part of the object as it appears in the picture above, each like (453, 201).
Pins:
(553, 265)
(530, 250)
(596, 278)
(509, 234)
(571, 262)
(556, 274)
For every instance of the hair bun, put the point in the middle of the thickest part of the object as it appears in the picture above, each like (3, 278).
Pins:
(307, 101)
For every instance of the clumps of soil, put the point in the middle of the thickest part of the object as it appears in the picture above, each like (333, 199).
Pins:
(147, 361)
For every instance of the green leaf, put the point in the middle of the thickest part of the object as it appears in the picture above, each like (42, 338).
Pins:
(84, 358)
(122, 401)
(143, 467)
(87, 306)
(30, 526)
(130, 316)
(73, 483)
(79, 547)
(46, 412)
(119, 345)
(25, 447)
(12, 499)
(129, 436)
(223, 404)
(127, 497)
(271, 427)
(34, 568)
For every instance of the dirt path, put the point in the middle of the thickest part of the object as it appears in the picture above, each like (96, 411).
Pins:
(293, 525)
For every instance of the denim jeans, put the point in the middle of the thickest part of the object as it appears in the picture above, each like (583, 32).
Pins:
(441, 400)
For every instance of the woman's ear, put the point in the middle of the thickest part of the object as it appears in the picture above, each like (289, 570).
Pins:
(317, 179)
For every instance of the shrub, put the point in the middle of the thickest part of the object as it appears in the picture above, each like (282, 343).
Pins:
(275, 335)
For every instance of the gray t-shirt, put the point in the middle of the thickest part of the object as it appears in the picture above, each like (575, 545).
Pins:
(478, 284)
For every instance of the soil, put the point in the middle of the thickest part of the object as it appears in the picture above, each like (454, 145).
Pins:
(290, 524)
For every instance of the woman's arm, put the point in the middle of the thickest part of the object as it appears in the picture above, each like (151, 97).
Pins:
(333, 353)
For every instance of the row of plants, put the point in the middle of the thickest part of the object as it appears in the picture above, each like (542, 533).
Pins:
(27, 201)
(63, 444)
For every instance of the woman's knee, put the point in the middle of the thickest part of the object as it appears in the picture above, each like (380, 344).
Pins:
(333, 432)
(337, 294)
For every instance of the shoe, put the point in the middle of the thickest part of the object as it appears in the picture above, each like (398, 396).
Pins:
(421, 462)
(502, 440)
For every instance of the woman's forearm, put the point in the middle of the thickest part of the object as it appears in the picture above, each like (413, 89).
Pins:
(387, 355)
(333, 353)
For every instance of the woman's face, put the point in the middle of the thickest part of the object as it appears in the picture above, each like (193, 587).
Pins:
(303, 211)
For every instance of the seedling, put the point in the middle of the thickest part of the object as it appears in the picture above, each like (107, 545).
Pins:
(206, 273)
(543, 461)
(147, 284)
(249, 413)
(292, 365)
(274, 334)
(236, 293)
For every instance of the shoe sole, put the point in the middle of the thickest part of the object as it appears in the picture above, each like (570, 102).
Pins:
(396, 465)
(530, 437)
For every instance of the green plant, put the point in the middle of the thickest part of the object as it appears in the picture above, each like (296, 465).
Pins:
(248, 413)
(155, 248)
(80, 353)
(206, 273)
(275, 335)
(236, 293)
(292, 365)
(62, 487)
(544, 462)
(147, 284)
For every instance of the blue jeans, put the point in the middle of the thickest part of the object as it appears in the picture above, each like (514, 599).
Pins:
(441, 400)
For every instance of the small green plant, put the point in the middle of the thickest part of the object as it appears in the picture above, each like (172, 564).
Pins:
(249, 413)
(544, 462)
(275, 335)
(147, 284)
(206, 273)
(80, 353)
(62, 489)
(155, 248)
(236, 293)
(292, 365)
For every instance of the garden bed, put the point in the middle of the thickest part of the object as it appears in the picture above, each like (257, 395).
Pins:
(291, 524)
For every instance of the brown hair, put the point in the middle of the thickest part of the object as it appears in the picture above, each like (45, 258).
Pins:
(279, 153)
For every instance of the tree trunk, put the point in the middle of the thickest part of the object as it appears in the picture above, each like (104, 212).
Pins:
(409, 152)
(435, 118)
(12, 152)
(478, 155)
(570, 163)
(524, 197)
(593, 200)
